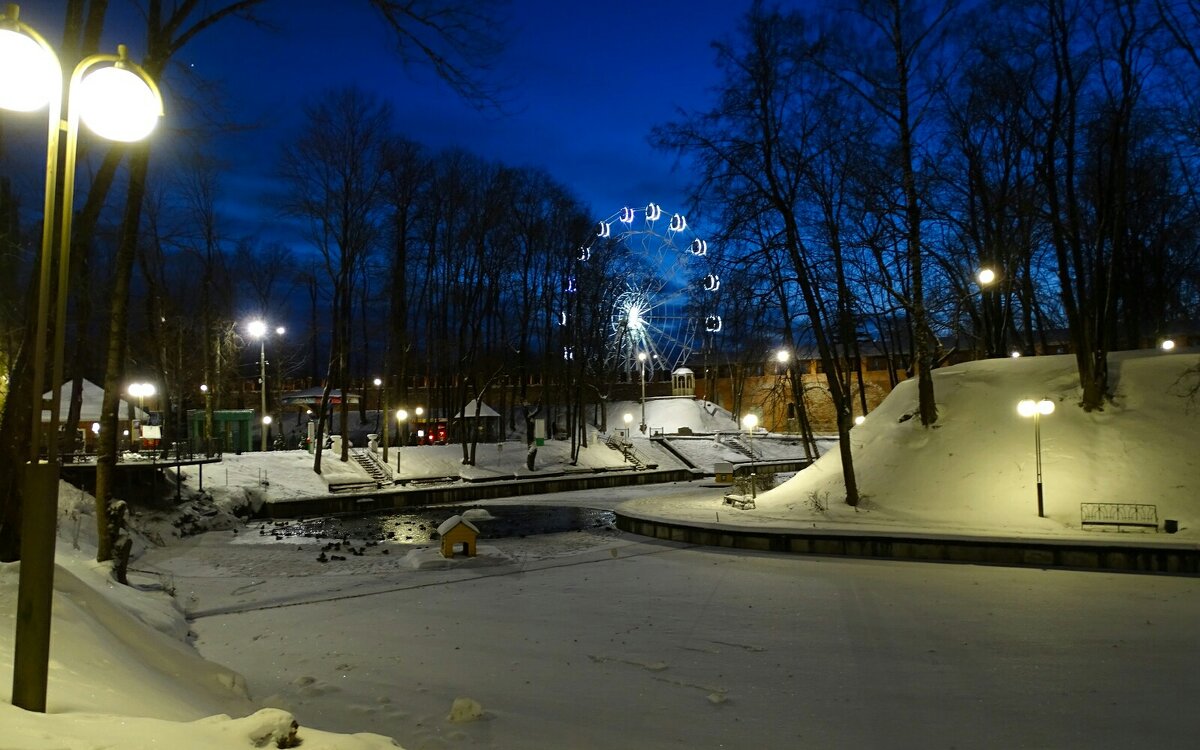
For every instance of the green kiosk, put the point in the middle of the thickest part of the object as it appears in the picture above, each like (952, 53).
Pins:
(231, 429)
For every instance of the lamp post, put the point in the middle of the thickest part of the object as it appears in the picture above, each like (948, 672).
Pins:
(119, 102)
(384, 408)
(628, 418)
(139, 391)
(1030, 408)
(750, 421)
(258, 329)
(421, 431)
(401, 415)
(642, 367)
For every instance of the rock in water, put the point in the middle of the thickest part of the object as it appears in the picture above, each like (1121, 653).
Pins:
(465, 709)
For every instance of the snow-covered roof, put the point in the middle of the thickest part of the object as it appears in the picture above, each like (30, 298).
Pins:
(453, 521)
(93, 399)
(468, 411)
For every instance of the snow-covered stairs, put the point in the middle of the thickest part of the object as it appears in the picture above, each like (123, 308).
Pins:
(619, 444)
(372, 465)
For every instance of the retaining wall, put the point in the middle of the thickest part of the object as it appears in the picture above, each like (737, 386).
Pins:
(1179, 559)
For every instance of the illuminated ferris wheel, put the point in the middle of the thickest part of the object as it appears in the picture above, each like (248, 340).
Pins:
(661, 289)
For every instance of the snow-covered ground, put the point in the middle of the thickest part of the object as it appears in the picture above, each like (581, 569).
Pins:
(598, 639)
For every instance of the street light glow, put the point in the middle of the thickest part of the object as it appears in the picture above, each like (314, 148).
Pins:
(117, 104)
(1167, 345)
(985, 276)
(267, 419)
(783, 355)
(750, 421)
(256, 328)
(38, 79)
(401, 415)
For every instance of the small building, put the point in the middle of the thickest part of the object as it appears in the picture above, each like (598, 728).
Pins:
(458, 530)
(231, 429)
(485, 425)
(724, 472)
(129, 417)
(683, 382)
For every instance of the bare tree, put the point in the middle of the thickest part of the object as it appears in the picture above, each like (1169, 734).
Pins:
(335, 175)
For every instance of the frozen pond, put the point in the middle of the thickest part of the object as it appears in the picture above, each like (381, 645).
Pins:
(419, 525)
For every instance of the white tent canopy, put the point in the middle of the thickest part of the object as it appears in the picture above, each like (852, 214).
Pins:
(485, 411)
(93, 398)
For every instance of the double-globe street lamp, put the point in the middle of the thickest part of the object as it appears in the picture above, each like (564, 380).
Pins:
(140, 391)
(401, 418)
(258, 330)
(118, 101)
(642, 356)
(750, 421)
(1030, 408)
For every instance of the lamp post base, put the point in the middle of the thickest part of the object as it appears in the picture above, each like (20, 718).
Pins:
(31, 653)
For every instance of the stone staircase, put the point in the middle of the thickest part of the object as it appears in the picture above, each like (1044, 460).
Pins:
(379, 473)
(741, 445)
(627, 451)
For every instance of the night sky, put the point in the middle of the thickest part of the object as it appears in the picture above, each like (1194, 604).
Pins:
(585, 84)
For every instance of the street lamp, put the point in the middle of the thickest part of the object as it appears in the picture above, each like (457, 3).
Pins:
(1167, 345)
(119, 102)
(139, 391)
(401, 415)
(628, 421)
(642, 367)
(420, 430)
(1030, 408)
(985, 276)
(258, 329)
(750, 421)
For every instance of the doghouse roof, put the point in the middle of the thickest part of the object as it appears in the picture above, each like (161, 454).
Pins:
(453, 521)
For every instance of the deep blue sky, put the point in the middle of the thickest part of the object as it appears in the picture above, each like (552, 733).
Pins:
(587, 83)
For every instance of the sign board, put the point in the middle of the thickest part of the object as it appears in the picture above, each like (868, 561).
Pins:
(539, 429)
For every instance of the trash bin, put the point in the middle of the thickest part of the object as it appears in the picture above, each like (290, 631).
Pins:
(1170, 525)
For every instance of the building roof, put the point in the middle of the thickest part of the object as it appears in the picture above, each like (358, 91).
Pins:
(312, 397)
(93, 399)
(453, 521)
(468, 411)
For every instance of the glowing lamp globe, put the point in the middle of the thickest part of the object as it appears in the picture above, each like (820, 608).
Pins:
(118, 105)
(1167, 345)
(1028, 407)
(860, 419)
(267, 419)
(401, 415)
(628, 418)
(750, 421)
(986, 276)
(38, 79)
(257, 328)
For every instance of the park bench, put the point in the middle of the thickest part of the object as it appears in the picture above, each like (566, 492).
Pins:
(1118, 514)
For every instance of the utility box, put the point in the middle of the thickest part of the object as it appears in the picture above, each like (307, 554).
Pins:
(724, 472)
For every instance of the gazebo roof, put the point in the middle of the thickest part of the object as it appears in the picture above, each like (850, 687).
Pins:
(468, 411)
(93, 398)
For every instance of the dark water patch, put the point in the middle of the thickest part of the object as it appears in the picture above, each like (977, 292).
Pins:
(419, 525)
